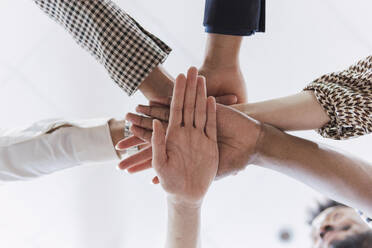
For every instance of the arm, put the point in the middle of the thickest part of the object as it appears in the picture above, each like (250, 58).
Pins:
(222, 69)
(185, 158)
(226, 22)
(234, 17)
(338, 105)
(131, 55)
(53, 145)
(184, 223)
(300, 111)
(337, 175)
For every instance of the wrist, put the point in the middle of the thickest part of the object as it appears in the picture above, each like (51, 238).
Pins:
(256, 134)
(264, 141)
(182, 203)
(222, 51)
(216, 65)
(116, 130)
(217, 61)
(157, 85)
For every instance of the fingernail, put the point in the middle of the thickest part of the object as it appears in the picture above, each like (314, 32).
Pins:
(118, 168)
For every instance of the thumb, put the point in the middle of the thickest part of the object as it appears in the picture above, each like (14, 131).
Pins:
(227, 99)
(158, 144)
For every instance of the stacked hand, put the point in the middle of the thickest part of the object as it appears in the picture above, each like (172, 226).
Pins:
(237, 135)
(185, 156)
(226, 83)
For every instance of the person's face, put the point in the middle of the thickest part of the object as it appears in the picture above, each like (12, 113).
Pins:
(336, 224)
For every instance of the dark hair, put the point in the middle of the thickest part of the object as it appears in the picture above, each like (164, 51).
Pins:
(362, 240)
(321, 207)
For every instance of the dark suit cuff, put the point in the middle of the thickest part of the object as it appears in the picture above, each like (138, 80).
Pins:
(229, 31)
(234, 17)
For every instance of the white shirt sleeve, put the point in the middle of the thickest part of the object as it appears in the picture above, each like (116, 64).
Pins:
(36, 150)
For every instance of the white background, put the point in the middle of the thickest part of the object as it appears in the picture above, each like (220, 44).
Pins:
(44, 74)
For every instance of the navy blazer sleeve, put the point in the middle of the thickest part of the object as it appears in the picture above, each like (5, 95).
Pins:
(234, 17)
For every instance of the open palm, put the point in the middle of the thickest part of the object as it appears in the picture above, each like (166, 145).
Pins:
(185, 156)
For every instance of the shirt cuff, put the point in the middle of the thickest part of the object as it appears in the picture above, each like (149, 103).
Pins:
(346, 97)
(93, 144)
(227, 31)
(53, 145)
(235, 17)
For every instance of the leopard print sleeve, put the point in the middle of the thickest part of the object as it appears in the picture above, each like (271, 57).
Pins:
(346, 96)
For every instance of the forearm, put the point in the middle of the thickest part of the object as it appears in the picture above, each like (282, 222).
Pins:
(296, 112)
(221, 67)
(337, 175)
(222, 50)
(183, 225)
(53, 145)
(158, 84)
(128, 52)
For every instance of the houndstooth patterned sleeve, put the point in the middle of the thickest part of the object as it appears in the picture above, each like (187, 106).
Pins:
(346, 96)
(127, 51)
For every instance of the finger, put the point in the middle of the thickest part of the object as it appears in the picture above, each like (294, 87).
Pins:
(155, 180)
(227, 100)
(141, 167)
(141, 133)
(129, 142)
(157, 112)
(201, 104)
(158, 144)
(136, 159)
(152, 103)
(190, 95)
(177, 101)
(211, 126)
(141, 121)
(162, 101)
(143, 146)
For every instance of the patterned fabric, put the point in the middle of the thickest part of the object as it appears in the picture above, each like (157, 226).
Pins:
(346, 96)
(127, 51)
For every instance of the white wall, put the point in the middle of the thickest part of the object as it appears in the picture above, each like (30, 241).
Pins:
(43, 74)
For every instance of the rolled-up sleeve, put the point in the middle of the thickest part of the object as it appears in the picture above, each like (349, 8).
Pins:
(52, 145)
(346, 97)
(127, 51)
(234, 17)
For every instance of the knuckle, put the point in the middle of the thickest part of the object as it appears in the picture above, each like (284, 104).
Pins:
(141, 121)
(166, 115)
(148, 136)
(149, 122)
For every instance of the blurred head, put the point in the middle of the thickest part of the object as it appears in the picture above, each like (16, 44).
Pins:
(337, 226)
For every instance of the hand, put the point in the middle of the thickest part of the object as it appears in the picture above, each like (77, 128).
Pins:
(221, 67)
(225, 80)
(185, 157)
(158, 87)
(237, 135)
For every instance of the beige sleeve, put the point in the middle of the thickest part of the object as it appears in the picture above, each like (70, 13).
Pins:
(346, 96)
